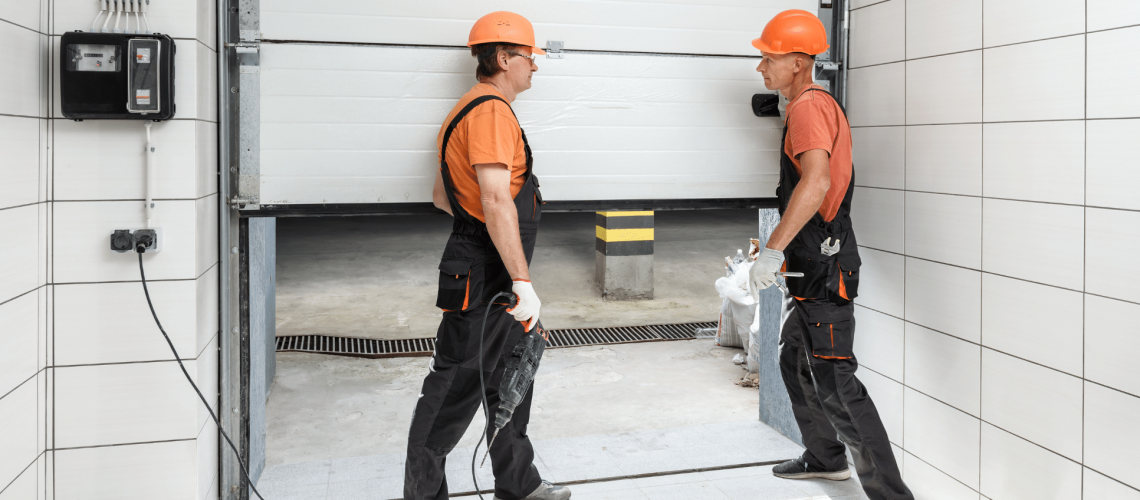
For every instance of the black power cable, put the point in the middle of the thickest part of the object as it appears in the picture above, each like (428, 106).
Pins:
(237, 455)
(483, 386)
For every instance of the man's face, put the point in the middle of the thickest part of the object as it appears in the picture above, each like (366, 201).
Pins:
(778, 70)
(520, 68)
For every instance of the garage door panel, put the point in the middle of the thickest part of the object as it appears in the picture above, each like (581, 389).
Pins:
(350, 124)
(693, 27)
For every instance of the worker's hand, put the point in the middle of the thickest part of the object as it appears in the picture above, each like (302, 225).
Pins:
(526, 310)
(763, 272)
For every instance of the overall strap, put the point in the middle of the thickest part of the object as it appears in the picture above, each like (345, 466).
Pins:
(448, 185)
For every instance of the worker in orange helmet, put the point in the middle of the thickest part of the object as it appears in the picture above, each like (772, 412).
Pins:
(815, 237)
(487, 183)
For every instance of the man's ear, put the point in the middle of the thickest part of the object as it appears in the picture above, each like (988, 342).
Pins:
(504, 59)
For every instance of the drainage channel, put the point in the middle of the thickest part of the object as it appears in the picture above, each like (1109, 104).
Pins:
(569, 337)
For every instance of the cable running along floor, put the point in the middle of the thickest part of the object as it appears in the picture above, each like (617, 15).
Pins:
(568, 337)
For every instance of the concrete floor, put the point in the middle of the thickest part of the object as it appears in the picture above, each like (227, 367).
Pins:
(328, 407)
(376, 277)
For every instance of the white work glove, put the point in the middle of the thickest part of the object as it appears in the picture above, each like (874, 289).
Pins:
(763, 272)
(526, 309)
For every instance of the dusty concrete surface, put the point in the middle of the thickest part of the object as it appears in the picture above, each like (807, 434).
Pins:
(376, 276)
(327, 407)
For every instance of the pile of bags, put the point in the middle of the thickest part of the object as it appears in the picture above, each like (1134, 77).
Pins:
(739, 320)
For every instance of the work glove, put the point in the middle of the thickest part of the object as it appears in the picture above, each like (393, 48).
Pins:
(763, 272)
(526, 309)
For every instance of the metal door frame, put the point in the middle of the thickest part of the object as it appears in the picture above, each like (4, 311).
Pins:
(239, 122)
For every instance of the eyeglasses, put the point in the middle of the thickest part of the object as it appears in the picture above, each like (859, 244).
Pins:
(528, 58)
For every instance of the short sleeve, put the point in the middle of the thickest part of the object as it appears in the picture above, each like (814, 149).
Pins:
(491, 136)
(814, 127)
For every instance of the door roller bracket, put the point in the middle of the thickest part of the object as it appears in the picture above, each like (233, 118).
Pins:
(554, 49)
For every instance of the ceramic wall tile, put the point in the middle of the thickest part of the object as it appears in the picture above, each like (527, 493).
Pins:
(942, 436)
(19, 256)
(1015, 468)
(878, 215)
(1108, 14)
(944, 89)
(1108, 92)
(153, 470)
(1108, 414)
(879, 156)
(20, 170)
(111, 322)
(1054, 95)
(1106, 232)
(123, 403)
(944, 228)
(934, 27)
(927, 482)
(877, 95)
(1110, 339)
(878, 34)
(881, 286)
(888, 397)
(21, 82)
(879, 343)
(1101, 486)
(1034, 402)
(944, 298)
(944, 159)
(1016, 21)
(949, 371)
(18, 431)
(82, 235)
(105, 160)
(1012, 229)
(20, 338)
(1035, 161)
(1110, 182)
(1040, 323)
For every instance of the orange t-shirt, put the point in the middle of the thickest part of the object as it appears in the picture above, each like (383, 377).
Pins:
(488, 134)
(815, 121)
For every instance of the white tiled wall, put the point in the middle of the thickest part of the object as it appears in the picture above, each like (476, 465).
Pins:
(1005, 306)
(91, 403)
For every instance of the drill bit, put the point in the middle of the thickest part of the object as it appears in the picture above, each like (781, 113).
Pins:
(489, 443)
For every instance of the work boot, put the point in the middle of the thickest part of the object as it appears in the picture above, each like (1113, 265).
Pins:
(798, 469)
(548, 491)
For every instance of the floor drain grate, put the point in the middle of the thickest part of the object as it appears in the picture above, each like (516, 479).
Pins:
(570, 337)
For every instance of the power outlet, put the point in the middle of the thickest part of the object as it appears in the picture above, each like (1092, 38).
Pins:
(126, 240)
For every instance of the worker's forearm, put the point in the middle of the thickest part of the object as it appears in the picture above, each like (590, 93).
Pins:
(503, 224)
(805, 202)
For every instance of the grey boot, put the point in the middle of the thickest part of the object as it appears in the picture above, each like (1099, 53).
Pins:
(548, 491)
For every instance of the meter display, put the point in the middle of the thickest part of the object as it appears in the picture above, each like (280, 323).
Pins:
(91, 57)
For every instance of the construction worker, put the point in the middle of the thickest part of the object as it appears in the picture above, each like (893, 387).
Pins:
(486, 182)
(815, 237)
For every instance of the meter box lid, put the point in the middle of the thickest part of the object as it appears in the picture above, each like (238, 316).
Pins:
(116, 76)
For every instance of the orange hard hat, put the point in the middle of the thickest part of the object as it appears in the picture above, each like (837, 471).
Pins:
(506, 27)
(793, 31)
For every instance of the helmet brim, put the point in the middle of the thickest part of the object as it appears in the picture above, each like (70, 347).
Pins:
(533, 50)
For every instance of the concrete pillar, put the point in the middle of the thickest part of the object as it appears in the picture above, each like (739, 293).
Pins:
(624, 256)
(775, 406)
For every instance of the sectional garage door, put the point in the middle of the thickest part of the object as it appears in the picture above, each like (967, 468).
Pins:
(651, 100)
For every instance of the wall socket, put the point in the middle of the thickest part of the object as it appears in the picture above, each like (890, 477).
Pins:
(126, 240)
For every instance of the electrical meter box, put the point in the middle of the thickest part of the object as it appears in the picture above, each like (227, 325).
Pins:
(116, 76)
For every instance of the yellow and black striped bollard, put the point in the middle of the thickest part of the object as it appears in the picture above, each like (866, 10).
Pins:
(624, 255)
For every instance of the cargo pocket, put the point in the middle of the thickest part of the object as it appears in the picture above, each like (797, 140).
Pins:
(831, 329)
(454, 284)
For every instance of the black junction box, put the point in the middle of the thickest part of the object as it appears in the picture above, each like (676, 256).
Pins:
(116, 76)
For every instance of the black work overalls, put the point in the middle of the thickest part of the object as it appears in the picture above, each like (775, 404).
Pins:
(470, 274)
(816, 339)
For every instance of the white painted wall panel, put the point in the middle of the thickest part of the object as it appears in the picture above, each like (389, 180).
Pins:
(359, 124)
(671, 26)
